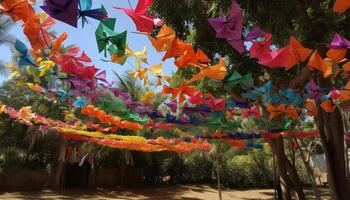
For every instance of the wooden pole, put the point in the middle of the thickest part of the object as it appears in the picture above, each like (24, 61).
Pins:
(218, 172)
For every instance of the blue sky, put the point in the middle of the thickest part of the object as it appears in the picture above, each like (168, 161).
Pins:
(85, 38)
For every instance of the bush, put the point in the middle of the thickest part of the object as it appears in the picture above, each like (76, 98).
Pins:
(12, 159)
(175, 168)
(253, 170)
(198, 169)
(237, 172)
(263, 171)
(155, 167)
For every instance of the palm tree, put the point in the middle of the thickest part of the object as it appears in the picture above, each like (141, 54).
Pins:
(130, 85)
(5, 38)
(136, 90)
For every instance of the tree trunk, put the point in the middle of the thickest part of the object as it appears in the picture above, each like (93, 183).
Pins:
(278, 150)
(310, 172)
(288, 175)
(330, 125)
(218, 174)
(294, 177)
(345, 113)
(277, 184)
(58, 166)
(332, 137)
(58, 182)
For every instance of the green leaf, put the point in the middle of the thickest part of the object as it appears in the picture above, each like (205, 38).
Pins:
(215, 83)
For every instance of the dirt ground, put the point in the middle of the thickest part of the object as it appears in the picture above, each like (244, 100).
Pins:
(174, 192)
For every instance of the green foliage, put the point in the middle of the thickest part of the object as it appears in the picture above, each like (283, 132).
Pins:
(188, 17)
(11, 133)
(19, 96)
(130, 85)
(198, 169)
(195, 168)
(21, 146)
(311, 22)
(107, 157)
(247, 168)
(237, 169)
(282, 18)
(154, 170)
(11, 159)
(239, 173)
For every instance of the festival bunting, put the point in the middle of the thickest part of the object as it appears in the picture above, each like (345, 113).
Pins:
(84, 87)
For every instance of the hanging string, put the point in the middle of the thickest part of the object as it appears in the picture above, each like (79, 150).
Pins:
(130, 6)
(215, 42)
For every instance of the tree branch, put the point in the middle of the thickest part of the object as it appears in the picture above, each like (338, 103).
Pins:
(301, 78)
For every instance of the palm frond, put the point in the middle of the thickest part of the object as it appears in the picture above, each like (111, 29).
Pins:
(121, 83)
(130, 85)
(159, 98)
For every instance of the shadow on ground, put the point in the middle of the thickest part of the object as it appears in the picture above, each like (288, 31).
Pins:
(171, 192)
(144, 193)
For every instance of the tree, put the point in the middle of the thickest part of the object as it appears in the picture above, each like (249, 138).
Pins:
(22, 146)
(313, 23)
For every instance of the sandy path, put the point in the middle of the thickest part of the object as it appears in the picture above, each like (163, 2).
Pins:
(177, 192)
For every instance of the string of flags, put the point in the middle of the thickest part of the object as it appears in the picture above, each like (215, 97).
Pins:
(70, 77)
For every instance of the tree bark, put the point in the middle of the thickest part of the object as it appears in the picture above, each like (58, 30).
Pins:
(59, 167)
(345, 113)
(277, 148)
(294, 177)
(312, 17)
(58, 182)
(332, 137)
(329, 124)
(310, 172)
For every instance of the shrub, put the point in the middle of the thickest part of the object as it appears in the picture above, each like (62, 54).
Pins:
(175, 168)
(198, 169)
(253, 170)
(12, 159)
(237, 172)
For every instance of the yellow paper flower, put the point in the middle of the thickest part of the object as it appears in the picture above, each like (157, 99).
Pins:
(148, 97)
(26, 113)
(2, 108)
(45, 66)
